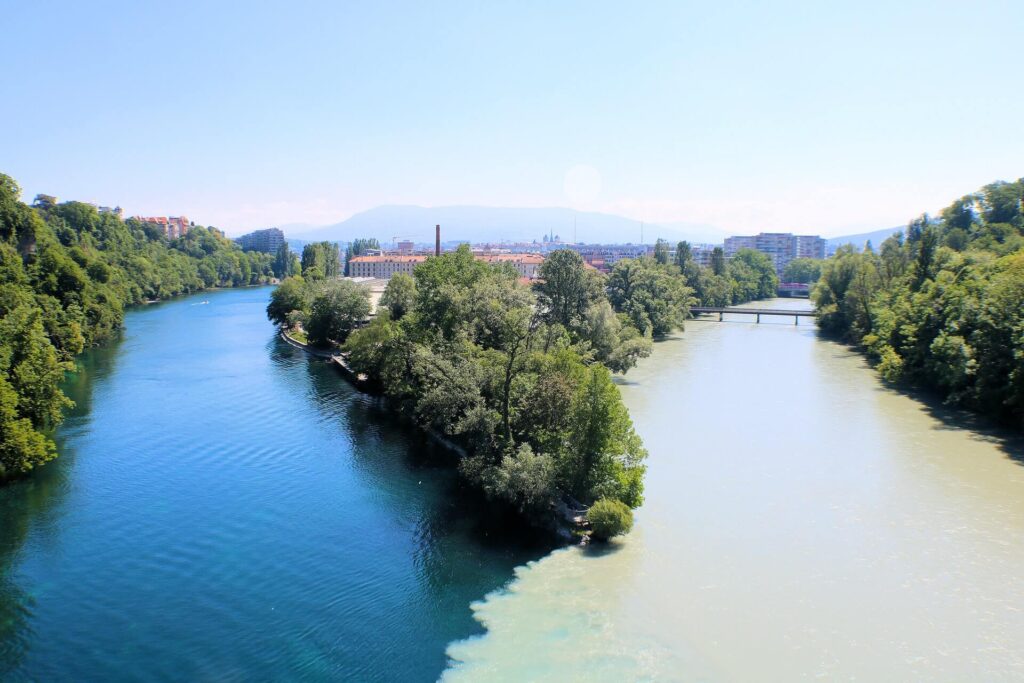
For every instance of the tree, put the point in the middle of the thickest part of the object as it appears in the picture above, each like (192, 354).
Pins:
(753, 275)
(525, 479)
(338, 306)
(1001, 202)
(805, 270)
(566, 289)
(291, 295)
(843, 295)
(383, 352)
(321, 260)
(614, 341)
(684, 255)
(606, 454)
(661, 252)
(22, 447)
(503, 316)
(718, 261)
(654, 297)
(285, 263)
(443, 284)
(399, 295)
(960, 214)
(609, 518)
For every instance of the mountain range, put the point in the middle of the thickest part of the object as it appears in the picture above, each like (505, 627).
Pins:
(496, 224)
(482, 224)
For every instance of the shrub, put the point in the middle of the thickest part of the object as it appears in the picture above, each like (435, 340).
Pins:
(609, 517)
(890, 364)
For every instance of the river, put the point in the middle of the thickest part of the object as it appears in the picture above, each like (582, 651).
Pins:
(801, 521)
(226, 508)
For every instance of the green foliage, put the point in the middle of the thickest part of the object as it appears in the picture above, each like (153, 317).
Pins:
(399, 296)
(718, 261)
(520, 379)
(753, 275)
(337, 308)
(661, 252)
(358, 247)
(684, 255)
(654, 296)
(289, 296)
(748, 276)
(942, 308)
(805, 270)
(286, 264)
(572, 298)
(66, 274)
(524, 479)
(566, 289)
(321, 260)
(609, 518)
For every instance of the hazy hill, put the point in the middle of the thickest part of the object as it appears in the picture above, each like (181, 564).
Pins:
(493, 224)
(858, 240)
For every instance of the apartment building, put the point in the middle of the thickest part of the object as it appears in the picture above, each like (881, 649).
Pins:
(173, 227)
(603, 256)
(781, 247)
(268, 241)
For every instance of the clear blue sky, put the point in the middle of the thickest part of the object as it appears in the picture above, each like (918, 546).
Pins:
(811, 116)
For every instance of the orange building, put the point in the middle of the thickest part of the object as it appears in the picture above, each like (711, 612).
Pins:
(172, 226)
(383, 267)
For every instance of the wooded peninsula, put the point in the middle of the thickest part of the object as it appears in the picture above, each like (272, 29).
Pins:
(519, 375)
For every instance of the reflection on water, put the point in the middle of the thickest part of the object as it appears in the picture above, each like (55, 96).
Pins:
(801, 520)
(32, 506)
(225, 508)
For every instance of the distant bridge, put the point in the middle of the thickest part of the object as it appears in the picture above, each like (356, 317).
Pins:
(794, 290)
(758, 312)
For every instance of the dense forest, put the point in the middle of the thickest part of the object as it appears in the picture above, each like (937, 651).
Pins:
(67, 272)
(941, 305)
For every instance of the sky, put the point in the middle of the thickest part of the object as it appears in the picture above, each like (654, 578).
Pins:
(812, 117)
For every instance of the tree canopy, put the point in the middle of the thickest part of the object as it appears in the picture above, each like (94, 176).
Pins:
(517, 376)
(941, 305)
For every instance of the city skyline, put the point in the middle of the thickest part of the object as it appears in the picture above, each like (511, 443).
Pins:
(789, 117)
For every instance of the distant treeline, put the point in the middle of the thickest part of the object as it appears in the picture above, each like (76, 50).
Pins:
(941, 305)
(747, 276)
(67, 272)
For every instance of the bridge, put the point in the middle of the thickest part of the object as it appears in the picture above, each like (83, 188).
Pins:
(758, 312)
(794, 290)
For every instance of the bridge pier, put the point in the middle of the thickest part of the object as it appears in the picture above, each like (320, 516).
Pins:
(758, 318)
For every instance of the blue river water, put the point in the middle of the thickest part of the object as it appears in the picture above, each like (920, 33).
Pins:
(227, 508)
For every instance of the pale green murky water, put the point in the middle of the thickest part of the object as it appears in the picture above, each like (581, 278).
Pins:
(802, 522)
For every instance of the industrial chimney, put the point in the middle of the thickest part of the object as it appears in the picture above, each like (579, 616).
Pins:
(437, 240)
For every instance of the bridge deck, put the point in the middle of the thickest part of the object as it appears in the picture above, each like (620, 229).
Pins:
(752, 311)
